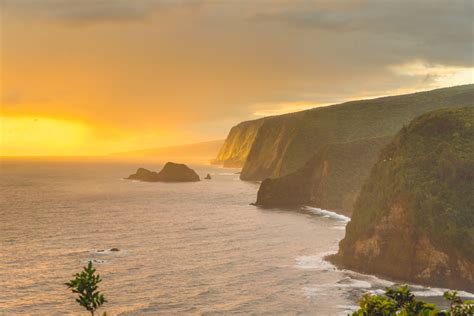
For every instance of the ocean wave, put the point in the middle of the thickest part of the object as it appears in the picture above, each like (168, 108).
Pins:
(353, 283)
(420, 290)
(315, 262)
(344, 283)
(326, 213)
(106, 251)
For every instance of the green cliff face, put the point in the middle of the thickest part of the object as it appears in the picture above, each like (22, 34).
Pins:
(330, 180)
(280, 145)
(238, 143)
(414, 218)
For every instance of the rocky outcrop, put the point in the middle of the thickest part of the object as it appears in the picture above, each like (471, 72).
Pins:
(143, 174)
(330, 180)
(280, 145)
(171, 172)
(235, 150)
(414, 218)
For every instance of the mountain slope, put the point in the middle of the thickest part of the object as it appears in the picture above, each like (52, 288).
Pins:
(330, 180)
(414, 218)
(277, 146)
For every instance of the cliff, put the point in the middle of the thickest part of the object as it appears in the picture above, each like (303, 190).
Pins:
(330, 180)
(171, 172)
(277, 146)
(236, 147)
(414, 218)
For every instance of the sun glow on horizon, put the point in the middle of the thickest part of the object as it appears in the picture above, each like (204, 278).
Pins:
(41, 136)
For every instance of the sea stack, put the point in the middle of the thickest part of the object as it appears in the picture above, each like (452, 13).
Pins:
(414, 218)
(171, 172)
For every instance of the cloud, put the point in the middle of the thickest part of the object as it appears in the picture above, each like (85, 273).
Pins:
(437, 31)
(90, 12)
(139, 66)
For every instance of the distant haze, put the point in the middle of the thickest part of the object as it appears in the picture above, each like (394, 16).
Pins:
(201, 152)
(85, 77)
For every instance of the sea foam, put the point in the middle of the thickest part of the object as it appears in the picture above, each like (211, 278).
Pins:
(315, 262)
(326, 213)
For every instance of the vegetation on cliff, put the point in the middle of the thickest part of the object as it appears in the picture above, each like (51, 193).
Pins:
(330, 180)
(400, 301)
(277, 146)
(414, 218)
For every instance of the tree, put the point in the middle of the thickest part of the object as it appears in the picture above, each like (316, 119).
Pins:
(85, 284)
(402, 302)
(458, 307)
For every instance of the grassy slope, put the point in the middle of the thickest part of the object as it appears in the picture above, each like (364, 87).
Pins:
(285, 143)
(428, 171)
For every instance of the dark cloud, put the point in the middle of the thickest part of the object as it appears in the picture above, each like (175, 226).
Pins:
(436, 31)
(85, 12)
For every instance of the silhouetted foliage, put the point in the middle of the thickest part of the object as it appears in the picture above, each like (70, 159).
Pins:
(400, 301)
(85, 284)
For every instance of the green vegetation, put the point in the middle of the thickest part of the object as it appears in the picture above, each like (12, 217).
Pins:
(401, 301)
(414, 218)
(330, 180)
(85, 284)
(279, 145)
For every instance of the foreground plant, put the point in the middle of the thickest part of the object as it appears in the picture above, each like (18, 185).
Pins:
(85, 284)
(401, 301)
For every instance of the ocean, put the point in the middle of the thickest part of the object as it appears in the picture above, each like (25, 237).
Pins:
(185, 248)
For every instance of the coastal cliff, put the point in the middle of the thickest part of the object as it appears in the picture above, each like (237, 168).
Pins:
(237, 145)
(330, 180)
(280, 145)
(414, 218)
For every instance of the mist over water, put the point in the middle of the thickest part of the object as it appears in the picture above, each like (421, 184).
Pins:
(185, 248)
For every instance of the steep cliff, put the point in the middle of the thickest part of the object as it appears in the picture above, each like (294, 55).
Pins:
(236, 147)
(283, 144)
(414, 218)
(330, 180)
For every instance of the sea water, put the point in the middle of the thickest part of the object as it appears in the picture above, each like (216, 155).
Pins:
(184, 248)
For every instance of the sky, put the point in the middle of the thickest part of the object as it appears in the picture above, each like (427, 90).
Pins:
(91, 77)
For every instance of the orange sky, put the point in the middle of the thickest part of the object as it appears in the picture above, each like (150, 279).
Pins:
(82, 77)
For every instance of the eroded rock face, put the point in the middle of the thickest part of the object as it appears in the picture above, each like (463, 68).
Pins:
(331, 180)
(414, 218)
(238, 143)
(171, 172)
(397, 250)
